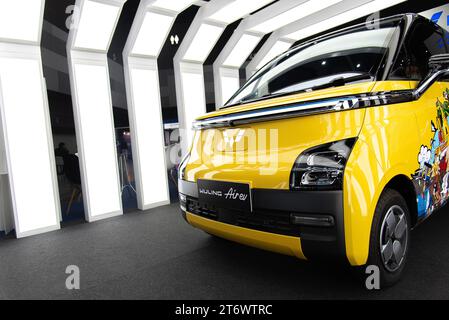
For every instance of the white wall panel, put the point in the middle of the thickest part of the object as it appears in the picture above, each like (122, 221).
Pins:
(87, 48)
(149, 139)
(21, 20)
(149, 32)
(194, 99)
(31, 164)
(29, 190)
(230, 82)
(94, 118)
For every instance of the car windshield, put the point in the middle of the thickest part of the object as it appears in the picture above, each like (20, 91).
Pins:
(345, 58)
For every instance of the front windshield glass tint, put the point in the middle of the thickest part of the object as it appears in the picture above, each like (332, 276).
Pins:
(335, 61)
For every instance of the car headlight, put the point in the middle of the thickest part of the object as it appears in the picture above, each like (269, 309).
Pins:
(322, 167)
(182, 167)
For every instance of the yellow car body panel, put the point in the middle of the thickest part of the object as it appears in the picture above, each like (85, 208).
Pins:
(388, 146)
(286, 245)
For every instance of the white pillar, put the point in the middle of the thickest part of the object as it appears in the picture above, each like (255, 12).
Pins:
(148, 34)
(87, 48)
(28, 141)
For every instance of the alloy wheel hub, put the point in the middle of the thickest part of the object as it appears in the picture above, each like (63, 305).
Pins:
(393, 238)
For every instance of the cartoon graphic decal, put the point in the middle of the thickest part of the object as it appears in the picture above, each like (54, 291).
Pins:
(432, 177)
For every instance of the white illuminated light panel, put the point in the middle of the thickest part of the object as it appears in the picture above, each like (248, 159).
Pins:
(173, 5)
(203, 43)
(242, 50)
(149, 32)
(343, 18)
(20, 20)
(194, 99)
(292, 15)
(148, 41)
(91, 33)
(230, 83)
(95, 114)
(150, 141)
(30, 157)
(238, 9)
(31, 181)
(87, 46)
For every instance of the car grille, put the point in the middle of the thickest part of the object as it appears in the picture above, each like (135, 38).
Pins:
(277, 222)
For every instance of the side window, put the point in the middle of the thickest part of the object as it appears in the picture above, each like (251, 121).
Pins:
(424, 40)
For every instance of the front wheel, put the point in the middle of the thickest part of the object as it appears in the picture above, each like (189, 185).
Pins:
(390, 237)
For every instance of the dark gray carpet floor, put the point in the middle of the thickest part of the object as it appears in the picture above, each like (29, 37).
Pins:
(156, 255)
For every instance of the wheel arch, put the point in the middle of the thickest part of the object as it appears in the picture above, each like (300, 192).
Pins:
(404, 185)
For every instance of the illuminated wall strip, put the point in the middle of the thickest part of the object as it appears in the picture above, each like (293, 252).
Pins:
(87, 48)
(230, 82)
(336, 20)
(31, 168)
(303, 9)
(237, 9)
(148, 34)
(147, 134)
(172, 5)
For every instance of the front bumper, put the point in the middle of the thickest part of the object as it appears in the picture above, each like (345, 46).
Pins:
(270, 226)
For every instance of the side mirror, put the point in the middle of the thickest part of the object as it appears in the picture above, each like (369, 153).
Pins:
(439, 61)
(438, 67)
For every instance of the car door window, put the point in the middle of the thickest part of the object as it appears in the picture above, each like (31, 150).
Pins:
(424, 40)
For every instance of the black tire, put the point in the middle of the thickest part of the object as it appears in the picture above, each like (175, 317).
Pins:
(390, 273)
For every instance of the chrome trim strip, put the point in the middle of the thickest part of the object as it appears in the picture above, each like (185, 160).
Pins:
(303, 109)
(321, 106)
(427, 83)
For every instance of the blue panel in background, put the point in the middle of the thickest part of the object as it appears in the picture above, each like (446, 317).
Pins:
(436, 16)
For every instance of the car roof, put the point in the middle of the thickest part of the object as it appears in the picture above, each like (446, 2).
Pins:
(391, 19)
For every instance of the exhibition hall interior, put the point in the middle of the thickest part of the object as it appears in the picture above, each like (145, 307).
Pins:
(97, 101)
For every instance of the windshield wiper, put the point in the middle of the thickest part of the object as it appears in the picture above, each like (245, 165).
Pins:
(341, 81)
(262, 97)
(336, 82)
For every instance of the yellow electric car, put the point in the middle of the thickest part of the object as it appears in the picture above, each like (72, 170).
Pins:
(334, 150)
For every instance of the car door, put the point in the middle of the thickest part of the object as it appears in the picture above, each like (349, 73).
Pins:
(432, 115)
